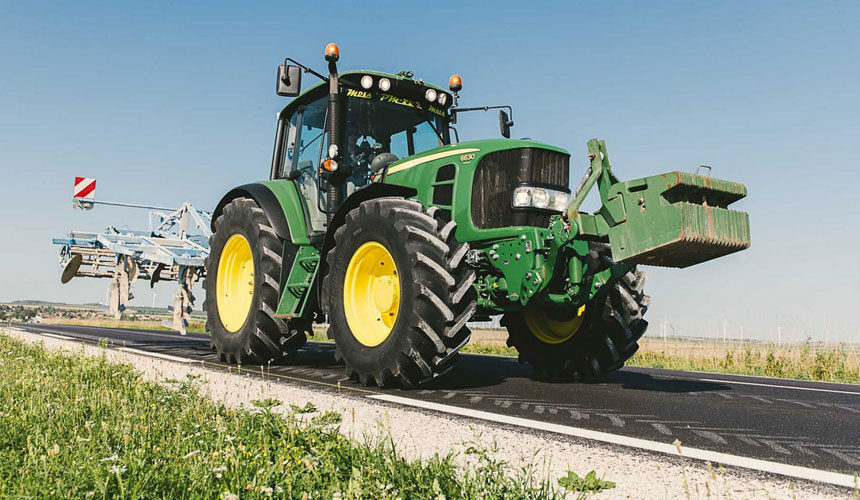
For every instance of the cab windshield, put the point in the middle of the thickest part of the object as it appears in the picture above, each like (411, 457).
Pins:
(383, 123)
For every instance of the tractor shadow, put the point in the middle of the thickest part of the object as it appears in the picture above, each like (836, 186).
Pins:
(640, 381)
(473, 371)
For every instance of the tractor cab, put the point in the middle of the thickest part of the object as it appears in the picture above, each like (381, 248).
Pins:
(379, 118)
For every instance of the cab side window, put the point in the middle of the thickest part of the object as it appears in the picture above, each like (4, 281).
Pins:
(288, 157)
(311, 135)
(310, 143)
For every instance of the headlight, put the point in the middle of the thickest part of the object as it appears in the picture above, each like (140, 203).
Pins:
(384, 84)
(523, 196)
(443, 98)
(366, 82)
(526, 196)
(430, 95)
(540, 198)
(558, 201)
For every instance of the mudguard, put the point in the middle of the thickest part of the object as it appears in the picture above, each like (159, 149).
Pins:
(280, 201)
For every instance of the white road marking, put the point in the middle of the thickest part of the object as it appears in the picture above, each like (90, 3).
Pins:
(644, 444)
(155, 354)
(777, 386)
(56, 336)
(713, 436)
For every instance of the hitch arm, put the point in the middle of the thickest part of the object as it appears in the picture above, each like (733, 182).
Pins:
(599, 172)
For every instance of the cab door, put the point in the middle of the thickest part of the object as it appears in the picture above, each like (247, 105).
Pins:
(303, 138)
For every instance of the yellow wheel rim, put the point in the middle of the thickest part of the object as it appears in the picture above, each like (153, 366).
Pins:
(234, 286)
(551, 331)
(371, 294)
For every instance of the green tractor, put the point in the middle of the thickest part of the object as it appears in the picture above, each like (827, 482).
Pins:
(376, 221)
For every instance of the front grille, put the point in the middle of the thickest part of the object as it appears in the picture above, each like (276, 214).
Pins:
(497, 174)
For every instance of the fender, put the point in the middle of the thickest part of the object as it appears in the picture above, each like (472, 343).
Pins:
(372, 190)
(279, 200)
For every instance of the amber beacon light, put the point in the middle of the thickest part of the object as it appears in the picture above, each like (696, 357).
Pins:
(332, 52)
(455, 83)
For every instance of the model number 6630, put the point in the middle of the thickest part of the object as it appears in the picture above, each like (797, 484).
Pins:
(467, 157)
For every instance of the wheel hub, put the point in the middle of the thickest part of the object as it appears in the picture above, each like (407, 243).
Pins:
(371, 293)
(235, 282)
(549, 330)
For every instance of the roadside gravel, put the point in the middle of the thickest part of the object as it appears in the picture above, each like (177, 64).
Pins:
(417, 433)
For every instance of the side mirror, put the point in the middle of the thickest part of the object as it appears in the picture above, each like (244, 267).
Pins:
(289, 82)
(505, 124)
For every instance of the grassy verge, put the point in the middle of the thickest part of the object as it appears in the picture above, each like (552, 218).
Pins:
(86, 428)
(806, 361)
(193, 326)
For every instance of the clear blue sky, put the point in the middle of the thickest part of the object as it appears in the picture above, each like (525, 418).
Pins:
(165, 103)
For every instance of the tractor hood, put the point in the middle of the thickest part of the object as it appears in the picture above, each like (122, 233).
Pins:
(468, 151)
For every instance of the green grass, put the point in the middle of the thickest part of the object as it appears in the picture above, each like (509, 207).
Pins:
(193, 326)
(590, 483)
(82, 427)
(831, 363)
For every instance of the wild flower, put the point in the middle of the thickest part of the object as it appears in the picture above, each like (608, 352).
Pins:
(112, 458)
(117, 469)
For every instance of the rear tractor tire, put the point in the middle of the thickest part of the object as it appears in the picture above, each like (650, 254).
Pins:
(242, 289)
(400, 293)
(588, 343)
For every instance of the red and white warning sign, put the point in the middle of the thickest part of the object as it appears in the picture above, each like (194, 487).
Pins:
(85, 187)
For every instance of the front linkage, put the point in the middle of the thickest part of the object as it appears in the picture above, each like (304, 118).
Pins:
(672, 220)
(572, 298)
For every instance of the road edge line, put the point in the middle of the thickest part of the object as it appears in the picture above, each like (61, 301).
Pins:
(54, 335)
(778, 386)
(794, 471)
(167, 357)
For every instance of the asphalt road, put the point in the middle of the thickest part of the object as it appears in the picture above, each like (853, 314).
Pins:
(808, 424)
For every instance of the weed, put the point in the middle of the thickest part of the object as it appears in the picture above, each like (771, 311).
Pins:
(307, 408)
(588, 484)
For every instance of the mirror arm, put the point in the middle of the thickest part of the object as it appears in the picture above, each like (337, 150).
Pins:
(454, 111)
(305, 68)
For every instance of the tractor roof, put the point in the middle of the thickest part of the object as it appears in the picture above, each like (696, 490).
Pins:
(353, 77)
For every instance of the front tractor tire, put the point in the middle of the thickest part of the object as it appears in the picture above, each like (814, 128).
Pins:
(242, 288)
(399, 293)
(586, 344)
